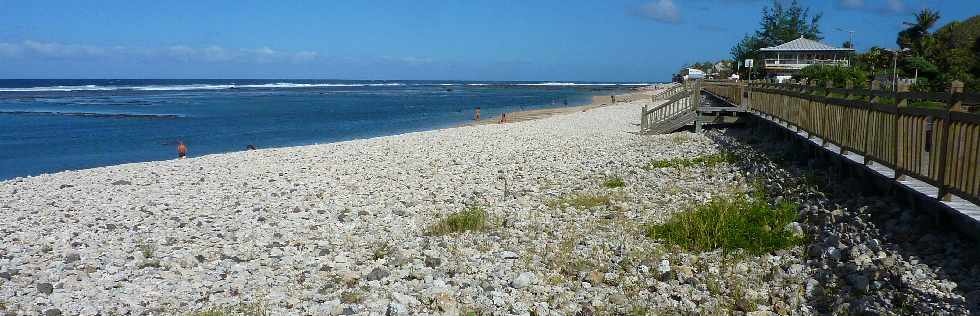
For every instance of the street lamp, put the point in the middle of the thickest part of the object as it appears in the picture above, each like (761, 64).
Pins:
(895, 65)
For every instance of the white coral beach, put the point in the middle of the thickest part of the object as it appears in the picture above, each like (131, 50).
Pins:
(340, 228)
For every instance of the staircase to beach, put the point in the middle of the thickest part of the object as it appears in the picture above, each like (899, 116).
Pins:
(683, 105)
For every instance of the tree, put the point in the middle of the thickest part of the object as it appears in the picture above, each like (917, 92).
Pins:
(779, 24)
(874, 60)
(916, 36)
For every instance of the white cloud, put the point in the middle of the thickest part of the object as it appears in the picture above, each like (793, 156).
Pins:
(885, 7)
(895, 6)
(661, 10)
(305, 56)
(9, 50)
(851, 4)
(184, 53)
(59, 50)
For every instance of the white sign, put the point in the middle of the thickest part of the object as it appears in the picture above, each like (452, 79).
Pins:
(748, 63)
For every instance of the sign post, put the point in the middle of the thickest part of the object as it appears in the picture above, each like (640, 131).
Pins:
(748, 65)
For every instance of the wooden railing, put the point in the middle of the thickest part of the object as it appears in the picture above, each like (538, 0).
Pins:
(934, 140)
(669, 91)
(731, 91)
(633, 97)
(683, 99)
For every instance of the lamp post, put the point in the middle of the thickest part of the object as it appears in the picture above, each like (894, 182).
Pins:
(895, 65)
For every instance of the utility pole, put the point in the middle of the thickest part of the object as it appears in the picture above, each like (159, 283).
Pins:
(850, 35)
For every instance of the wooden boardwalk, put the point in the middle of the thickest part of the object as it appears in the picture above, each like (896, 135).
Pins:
(967, 214)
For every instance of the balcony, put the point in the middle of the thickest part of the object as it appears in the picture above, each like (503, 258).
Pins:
(797, 64)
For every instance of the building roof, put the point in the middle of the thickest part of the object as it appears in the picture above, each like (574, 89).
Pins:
(803, 44)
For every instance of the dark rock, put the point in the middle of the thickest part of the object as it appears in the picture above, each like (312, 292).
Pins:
(585, 311)
(5, 275)
(45, 288)
(52, 312)
(72, 257)
(378, 274)
(64, 186)
(121, 182)
(432, 262)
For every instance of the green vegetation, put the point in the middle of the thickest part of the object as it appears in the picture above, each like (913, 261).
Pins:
(254, 309)
(613, 183)
(580, 201)
(351, 297)
(473, 218)
(706, 160)
(380, 251)
(742, 222)
(147, 249)
(933, 58)
(832, 73)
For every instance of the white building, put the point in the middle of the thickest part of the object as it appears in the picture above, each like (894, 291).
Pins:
(783, 61)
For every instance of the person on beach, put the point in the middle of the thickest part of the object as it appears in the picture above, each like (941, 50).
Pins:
(503, 118)
(181, 150)
(476, 115)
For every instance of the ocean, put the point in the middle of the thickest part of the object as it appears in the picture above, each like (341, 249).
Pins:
(54, 125)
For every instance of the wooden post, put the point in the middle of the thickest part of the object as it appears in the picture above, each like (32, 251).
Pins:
(848, 86)
(695, 104)
(644, 124)
(952, 104)
(826, 113)
(957, 103)
(901, 103)
(873, 99)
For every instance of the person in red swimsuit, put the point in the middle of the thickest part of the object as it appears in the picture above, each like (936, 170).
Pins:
(181, 150)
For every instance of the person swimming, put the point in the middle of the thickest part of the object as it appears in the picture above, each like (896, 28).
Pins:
(181, 150)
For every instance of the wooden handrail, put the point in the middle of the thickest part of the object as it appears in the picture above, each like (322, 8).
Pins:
(679, 102)
(938, 144)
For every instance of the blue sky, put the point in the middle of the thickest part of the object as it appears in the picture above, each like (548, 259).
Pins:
(459, 40)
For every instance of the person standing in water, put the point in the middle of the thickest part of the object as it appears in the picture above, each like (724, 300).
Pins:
(476, 115)
(181, 150)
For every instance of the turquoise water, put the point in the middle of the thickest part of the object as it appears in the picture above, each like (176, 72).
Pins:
(54, 125)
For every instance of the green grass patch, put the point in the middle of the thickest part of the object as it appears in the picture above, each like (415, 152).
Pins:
(613, 183)
(706, 160)
(351, 297)
(747, 223)
(580, 201)
(473, 218)
(255, 309)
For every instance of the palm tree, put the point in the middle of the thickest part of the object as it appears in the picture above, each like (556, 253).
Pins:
(915, 36)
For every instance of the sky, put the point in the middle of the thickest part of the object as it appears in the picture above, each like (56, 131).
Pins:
(610, 40)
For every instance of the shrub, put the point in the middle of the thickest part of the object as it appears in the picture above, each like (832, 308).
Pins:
(836, 74)
(731, 223)
(473, 218)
